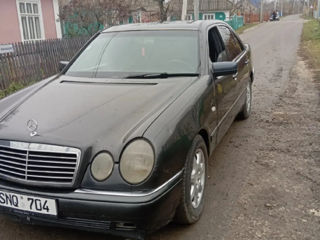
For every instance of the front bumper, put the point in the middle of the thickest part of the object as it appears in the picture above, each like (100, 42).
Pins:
(123, 214)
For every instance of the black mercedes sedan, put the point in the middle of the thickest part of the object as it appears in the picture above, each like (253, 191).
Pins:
(119, 141)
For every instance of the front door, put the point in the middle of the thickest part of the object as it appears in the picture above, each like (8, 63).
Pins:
(222, 92)
(225, 86)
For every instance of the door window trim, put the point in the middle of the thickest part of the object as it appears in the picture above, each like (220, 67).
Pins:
(236, 59)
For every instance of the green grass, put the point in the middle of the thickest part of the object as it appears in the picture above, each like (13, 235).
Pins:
(14, 87)
(311, 42)
(306, 17)
(245, 27)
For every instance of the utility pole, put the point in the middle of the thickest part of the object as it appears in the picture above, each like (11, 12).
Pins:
(184, 10)
(293, 6)
(318, 9)
(196, 9)
(282, 8)
(261, 10)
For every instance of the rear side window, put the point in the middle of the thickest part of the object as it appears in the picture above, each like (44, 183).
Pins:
(231, 42)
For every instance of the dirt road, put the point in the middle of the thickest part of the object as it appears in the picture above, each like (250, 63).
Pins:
(265, 175)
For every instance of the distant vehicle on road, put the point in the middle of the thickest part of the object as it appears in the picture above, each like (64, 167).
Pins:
(275, 16)
(119, 141)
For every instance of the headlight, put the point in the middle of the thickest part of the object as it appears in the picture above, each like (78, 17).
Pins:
(137, 161)
(101, 166)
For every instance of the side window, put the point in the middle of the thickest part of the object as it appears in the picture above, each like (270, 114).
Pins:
(217, 51)
(208, 16)
(231, 42)
(189, 17)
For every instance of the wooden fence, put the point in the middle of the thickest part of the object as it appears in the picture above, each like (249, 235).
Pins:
(33, 61)
(254, 17)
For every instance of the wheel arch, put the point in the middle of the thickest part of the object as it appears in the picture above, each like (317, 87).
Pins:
(252, 76)
(204, 134)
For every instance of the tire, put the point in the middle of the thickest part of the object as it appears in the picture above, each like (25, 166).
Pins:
(246, 109)
(190, 208)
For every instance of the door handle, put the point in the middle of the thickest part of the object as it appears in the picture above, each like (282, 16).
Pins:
(235, 77)
(247, 61)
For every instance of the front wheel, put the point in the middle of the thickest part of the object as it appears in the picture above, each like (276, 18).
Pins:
(246, 109)
(194, 181)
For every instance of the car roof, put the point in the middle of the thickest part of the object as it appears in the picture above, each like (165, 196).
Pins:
(176, 25)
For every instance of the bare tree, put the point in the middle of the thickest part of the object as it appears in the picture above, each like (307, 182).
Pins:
(90, 15)
(164, 7)
(236, 6)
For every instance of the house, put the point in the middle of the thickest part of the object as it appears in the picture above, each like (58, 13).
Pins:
(147, 13)
(211, 10)
(208, 9)
(28, 20)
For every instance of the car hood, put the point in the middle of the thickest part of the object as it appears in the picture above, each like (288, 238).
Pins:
(80, 111)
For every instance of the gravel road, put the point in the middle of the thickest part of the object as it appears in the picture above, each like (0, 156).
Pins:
(264, 177)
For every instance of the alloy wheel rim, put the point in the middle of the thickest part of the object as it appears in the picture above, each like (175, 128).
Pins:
(197, 178)
(248, 98)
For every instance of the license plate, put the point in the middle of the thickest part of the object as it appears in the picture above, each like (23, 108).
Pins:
(28, 203)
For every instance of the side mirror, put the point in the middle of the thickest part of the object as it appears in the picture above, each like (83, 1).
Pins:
(62, 65)
(224, 68)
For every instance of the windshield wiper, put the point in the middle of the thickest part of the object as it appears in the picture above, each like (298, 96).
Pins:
(163, 75)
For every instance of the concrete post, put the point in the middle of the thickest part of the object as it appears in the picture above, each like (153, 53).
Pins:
(261, 10)
(293, 6)
(184, 10)
(196, 9)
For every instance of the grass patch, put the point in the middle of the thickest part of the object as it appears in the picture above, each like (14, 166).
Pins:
(306, 17)
(311, 42)
(245, 27)
(14, 87)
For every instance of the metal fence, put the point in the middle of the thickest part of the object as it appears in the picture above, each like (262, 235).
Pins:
(236, 22)
(32, 61)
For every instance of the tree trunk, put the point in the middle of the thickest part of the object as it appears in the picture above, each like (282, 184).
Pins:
(163, 15)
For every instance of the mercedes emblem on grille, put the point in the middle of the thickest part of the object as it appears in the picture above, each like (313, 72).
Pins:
(32, 127)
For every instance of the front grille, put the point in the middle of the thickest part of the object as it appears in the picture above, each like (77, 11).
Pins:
(86, 223)
(38, 164)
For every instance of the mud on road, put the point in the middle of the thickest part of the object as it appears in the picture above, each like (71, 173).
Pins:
(264, 177)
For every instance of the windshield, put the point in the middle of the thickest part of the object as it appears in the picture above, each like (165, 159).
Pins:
(122, 54)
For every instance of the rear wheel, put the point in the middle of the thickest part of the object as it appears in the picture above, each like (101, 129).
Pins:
(194, 181)
(246, 109)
